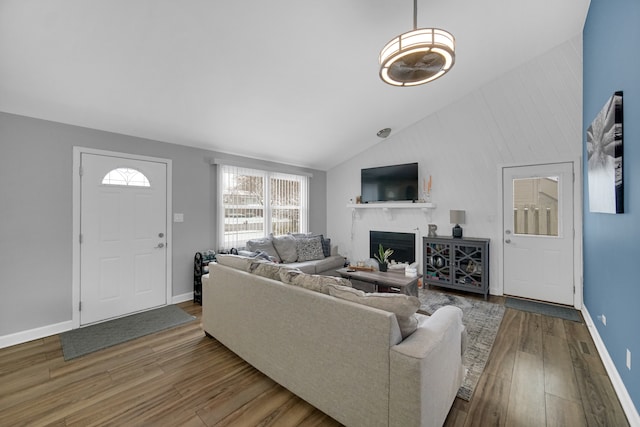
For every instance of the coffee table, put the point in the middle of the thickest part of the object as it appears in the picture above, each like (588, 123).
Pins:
(388, 281)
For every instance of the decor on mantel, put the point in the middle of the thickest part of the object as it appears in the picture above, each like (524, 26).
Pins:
(383, 257)
(457, 218)
(604, 151)
(426, 190)
(418, 56)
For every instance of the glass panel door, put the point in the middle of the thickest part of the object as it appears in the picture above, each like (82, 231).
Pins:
(535, 206)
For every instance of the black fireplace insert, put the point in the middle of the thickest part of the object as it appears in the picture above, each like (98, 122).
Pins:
(403, 245)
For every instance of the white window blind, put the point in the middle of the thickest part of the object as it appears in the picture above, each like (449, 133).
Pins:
(253, 203)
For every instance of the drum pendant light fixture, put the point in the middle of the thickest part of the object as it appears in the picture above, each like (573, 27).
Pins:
(418, 56)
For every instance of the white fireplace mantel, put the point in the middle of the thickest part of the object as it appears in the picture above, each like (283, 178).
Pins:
(389, 207)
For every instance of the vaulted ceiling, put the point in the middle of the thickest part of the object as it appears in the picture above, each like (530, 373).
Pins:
(282, 80)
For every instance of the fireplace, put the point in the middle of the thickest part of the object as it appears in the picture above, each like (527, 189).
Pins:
(403, 245)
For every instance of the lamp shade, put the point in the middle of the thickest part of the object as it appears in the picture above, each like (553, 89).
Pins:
(456, 217)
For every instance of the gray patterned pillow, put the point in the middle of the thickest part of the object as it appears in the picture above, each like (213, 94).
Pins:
(309, 248)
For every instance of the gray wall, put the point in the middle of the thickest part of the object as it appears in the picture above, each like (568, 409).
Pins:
(36, 159)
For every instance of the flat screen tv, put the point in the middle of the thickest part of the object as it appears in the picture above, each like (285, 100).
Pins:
(390, 183)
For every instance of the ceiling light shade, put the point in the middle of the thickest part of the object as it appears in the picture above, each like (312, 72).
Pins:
(418, 56)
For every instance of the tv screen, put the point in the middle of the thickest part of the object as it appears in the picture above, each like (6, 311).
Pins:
(390, 183)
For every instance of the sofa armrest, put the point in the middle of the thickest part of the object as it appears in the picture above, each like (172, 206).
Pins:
(426, 370)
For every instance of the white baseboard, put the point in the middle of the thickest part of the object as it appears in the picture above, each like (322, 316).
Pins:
(625, 400)
(34, 334)
(182, 298)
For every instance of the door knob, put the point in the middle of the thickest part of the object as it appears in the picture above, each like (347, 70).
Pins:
(507, 232)
(508, 241)
(160, 246)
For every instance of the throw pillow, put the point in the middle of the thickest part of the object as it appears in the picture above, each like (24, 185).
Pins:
(326, 246)
(403, 306)
(309, 248)
(265, 245)
(313, 282)
(286, 247)
(235, 261)
(267, 269)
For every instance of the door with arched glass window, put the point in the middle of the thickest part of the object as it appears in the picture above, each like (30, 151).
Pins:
(123, 226)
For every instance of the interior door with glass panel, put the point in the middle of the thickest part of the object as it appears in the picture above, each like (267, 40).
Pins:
(123, 224)
(538, 232)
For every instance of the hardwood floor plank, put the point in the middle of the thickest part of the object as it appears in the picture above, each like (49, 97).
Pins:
(584, 354)
(259, 410)
(458, 414)
(237, 393)
(530, 333)
(601, 405)
(503, 353)
(527, 398)
(559, 376)
(292, 413)
(55, 400)
(553, 326)
(564, 413)
(490, 402)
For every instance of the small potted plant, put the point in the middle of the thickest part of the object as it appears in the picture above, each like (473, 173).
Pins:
(383, 257)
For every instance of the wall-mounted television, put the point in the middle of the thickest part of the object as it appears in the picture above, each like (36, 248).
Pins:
(390, 183)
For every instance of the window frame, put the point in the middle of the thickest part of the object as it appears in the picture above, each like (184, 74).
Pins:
(225, 243)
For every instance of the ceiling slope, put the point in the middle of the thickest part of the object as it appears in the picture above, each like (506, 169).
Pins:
(287, 81)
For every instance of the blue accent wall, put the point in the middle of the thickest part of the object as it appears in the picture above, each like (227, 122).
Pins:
(611, 40)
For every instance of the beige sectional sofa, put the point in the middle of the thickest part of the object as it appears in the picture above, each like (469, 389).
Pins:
(347, 359)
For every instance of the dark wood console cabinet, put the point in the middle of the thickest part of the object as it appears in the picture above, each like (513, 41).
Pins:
(457, 263)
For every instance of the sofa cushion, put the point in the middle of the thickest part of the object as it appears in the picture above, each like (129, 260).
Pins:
(235, 261)
(265, 245)
(332, 262)
(268, 269)
(286, 247)
(313, 282)
(403, 306)
(309, 248)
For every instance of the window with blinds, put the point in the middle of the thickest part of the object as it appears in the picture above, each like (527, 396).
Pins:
(254, 203)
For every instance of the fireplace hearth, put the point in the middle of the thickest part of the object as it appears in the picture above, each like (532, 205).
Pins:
(403, 245)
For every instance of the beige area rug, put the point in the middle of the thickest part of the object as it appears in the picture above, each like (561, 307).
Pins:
(482, 320)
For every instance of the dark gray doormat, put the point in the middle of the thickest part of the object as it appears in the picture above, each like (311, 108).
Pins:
(543, 308)
(82, 341)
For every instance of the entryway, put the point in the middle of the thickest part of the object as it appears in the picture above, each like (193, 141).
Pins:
(538, 232)
(122, 253)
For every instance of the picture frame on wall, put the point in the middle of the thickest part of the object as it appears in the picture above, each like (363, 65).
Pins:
(604, 154)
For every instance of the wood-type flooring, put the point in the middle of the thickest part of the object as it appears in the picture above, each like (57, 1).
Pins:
(542, 371)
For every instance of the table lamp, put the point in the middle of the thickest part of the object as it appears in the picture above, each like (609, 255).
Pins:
(457, 218)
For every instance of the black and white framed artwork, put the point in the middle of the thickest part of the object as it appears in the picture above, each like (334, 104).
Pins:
(604, 151)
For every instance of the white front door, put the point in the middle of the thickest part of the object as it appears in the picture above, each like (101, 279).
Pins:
(123, 226)
(538, 232)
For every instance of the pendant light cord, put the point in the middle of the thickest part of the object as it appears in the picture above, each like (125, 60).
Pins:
(415, 14)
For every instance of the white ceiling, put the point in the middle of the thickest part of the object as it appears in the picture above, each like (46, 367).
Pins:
(283, 80)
